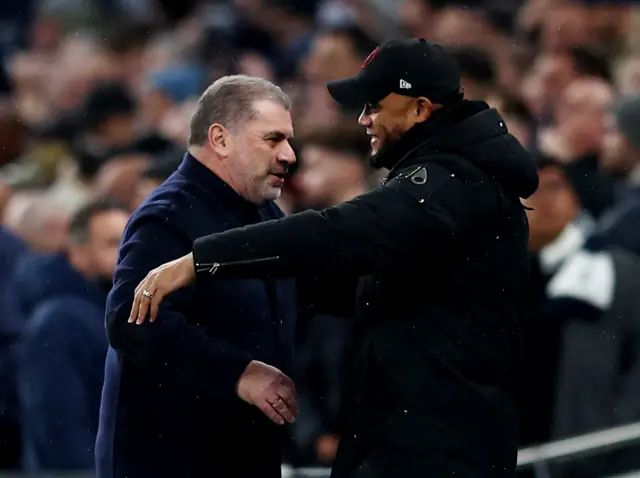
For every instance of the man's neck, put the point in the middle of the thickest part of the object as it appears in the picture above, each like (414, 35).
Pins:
(213, 164)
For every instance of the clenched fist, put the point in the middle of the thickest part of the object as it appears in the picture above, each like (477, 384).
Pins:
(270, 390)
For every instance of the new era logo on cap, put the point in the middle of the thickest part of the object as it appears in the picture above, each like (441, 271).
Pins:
(405, 85)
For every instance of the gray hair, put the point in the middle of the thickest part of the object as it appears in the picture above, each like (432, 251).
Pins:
(229, 101)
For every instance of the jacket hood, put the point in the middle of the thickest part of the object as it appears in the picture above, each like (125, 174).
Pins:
(475, 132)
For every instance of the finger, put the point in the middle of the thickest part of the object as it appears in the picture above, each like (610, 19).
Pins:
(287, 390)
(144, 308)
(290, 399)
(269, 411)
(137, 297)
(158, 295)
(282, 408)
(134, 308)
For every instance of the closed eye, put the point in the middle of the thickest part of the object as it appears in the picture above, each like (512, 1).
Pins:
(276, 138)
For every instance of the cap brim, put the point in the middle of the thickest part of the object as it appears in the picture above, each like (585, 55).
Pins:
(354, 92)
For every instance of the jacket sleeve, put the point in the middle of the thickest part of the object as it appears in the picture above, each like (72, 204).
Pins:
(172, 344)
(379, 229)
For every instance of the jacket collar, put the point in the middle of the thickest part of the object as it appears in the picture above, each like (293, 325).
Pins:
(421, 133)
(196, 172)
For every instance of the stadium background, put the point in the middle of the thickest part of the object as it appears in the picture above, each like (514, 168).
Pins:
(95, 100)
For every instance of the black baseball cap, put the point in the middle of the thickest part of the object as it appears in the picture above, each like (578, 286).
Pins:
(409, 67)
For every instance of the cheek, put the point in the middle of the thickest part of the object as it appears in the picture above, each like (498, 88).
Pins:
(106, 259)
(379, 127)
(397, 131)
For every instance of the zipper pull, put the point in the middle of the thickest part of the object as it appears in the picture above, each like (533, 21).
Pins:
(214, 266)
(211, 268)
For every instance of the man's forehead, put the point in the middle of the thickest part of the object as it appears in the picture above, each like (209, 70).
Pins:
(271, 116)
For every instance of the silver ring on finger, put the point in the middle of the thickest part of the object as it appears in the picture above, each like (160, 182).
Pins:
(147, 294)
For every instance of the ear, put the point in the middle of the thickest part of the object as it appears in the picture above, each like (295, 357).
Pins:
(220, 140)
(423, 109)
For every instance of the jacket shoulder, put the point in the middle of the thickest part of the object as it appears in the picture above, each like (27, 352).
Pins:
(452, 183)
(427, 174)
(174, 204)
(60, 315)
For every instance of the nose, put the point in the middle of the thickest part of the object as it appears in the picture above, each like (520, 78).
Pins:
(364, 119)
(287, 155)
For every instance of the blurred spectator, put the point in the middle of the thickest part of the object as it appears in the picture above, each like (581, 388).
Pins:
(63, 347)
(621, 144)
(168, 88)
(13, 133)
(12, 250)
(584, 302)
(594, 297)
(154, 175)
(628, 75)
(576, 138)
(108, 116)
(127, 44)
(478, 72)
(333, 167)
(559, 227)
(118, 178)
(417, 16)
(516, 115)
(81, 64)
(554, 207)
(619, 227)
(566, 25)
(458, 25)
(41, 223)
(553, 71)
(253, 64)
(578, 121)
(336, 53)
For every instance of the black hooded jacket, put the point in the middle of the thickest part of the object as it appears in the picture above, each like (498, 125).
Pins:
(439, 253)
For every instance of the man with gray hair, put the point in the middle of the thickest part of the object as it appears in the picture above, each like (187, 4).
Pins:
(192, 395)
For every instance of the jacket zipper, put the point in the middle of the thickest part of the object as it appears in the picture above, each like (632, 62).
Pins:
(212, 267)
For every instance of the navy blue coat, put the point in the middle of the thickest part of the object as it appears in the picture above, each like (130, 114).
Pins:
(60, 365)
(169, 406)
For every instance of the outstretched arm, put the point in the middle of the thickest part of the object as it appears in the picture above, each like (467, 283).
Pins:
(384, 228)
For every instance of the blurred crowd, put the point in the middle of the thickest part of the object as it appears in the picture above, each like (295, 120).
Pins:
(95, 102)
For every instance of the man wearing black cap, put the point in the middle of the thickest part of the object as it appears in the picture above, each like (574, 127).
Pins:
(439, 252)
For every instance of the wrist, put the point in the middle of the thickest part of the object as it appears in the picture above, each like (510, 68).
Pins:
(189, 267)
(246, 370)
